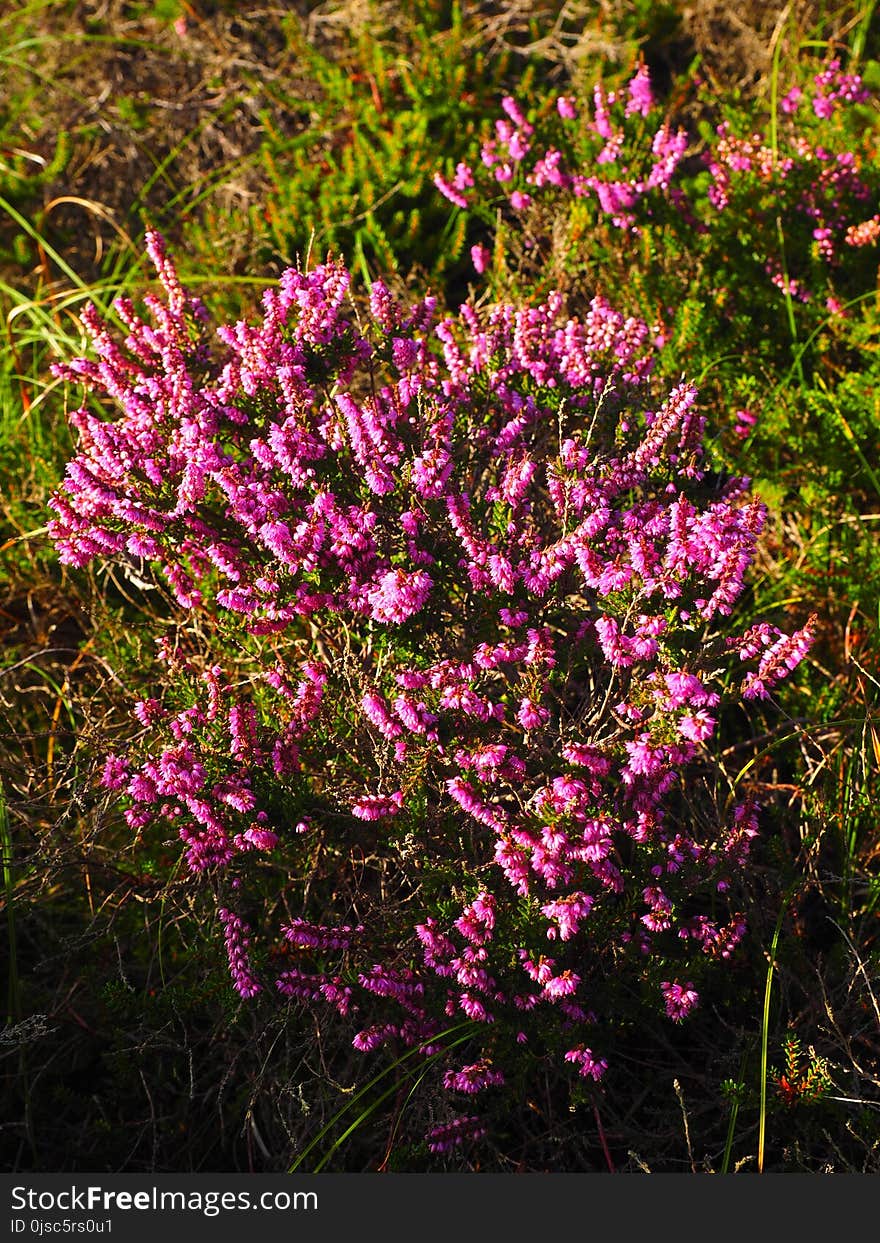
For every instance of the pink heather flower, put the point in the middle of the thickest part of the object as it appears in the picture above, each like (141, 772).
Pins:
(480, 257)
(566, 107)
(531, 715)
(474, 1078)
(148, 711)
(376, 711)
(789, 102)
(299, 984)
(590, 1066)
(745, 422)
(520, 201)
(566, 914)
(115, 773)
(235, 792)
(755, 639)
(562, 985)
(399, 595)
(601, 118)
(514, 864)
(402, 986)
(715, 942)
(438, 949)
(684, 688)
(864, 234)
(436, 461)
(825, 242)
(474, 1008)
(243, 731)
(697, 726)
(464, 794)
(138, 818)
(258, 837)
(449, 1135)
(788, 285)
(517, 147)
(641, 96)
(679, 999)
(235, 933)
(478, 920)
(778, 660)
(449, 191)
(303, 935)
(377, 806)
(660, 917)
(512, 108)
(540, 970)
(464, 178)
(374, 1037)
(644, 759)
(416, 717)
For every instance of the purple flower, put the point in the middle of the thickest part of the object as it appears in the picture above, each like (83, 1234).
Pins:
(679, 999)
(115, 773)
(450, 192)
(567, 914)
(398, 595)
(235, 933)
(531, 715)
(641, 96)
(474, 1078)
(304, 935)
(590, 1066)
(377, 806)
(446, 1136)
(494, 530)
(789, 102)
(480, 257)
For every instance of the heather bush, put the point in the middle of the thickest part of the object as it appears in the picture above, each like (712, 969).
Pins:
(753, 237)
(785, 206)
(558, 181)
(447, 754)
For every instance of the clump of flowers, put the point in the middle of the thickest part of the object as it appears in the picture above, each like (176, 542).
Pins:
(615, 159)
(789, 207)
(613, 156)
(480, 595)
(799, 198)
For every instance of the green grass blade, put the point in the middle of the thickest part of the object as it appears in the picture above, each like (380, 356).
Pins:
(765, 1033)
(467, 1028)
